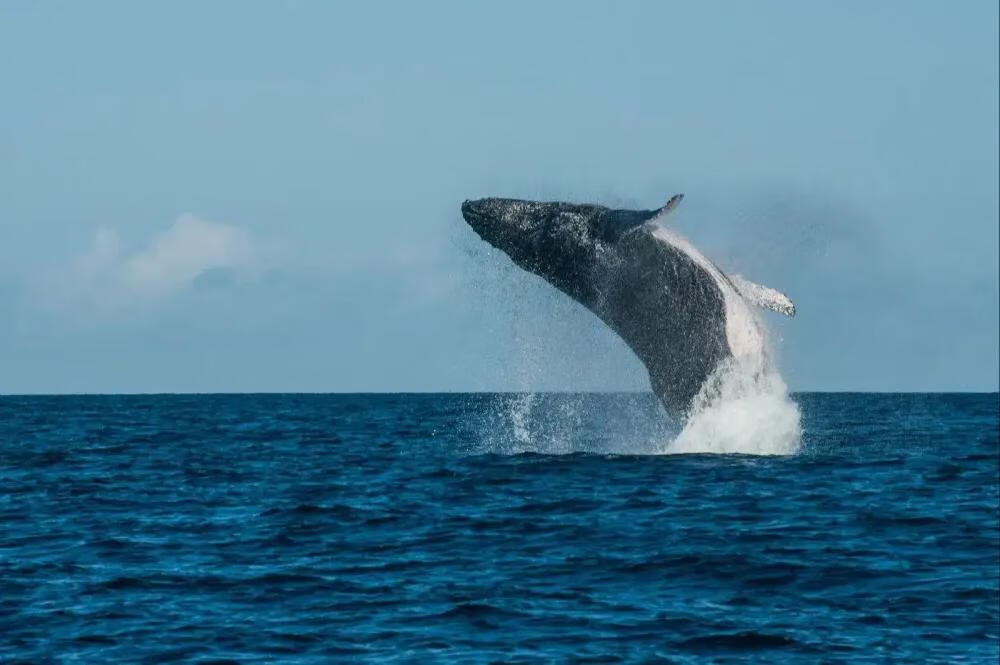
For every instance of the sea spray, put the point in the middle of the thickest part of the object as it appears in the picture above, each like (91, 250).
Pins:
(744, 407)
(560, 423)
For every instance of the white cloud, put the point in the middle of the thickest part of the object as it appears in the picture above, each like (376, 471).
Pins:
(178, 255)
(108, 277)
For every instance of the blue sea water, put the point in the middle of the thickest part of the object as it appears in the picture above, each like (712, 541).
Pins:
(421, 528)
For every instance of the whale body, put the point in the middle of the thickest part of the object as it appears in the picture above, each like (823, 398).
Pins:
(678, 312)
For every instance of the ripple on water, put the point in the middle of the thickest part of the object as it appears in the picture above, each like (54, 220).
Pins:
(311, 529)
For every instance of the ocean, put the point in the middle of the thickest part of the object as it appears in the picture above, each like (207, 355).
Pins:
(515, 528)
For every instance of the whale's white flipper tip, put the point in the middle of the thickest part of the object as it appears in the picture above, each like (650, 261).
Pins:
(763, 296)
(670, 205)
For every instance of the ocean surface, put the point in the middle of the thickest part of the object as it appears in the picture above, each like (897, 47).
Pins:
(492, 528)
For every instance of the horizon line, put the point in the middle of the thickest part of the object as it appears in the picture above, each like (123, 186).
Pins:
(472, 392)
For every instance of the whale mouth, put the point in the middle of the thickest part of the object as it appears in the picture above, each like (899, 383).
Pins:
(470, 211)
(482, 217)
(475, 216)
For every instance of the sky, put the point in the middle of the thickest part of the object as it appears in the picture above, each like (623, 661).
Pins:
(264, 196)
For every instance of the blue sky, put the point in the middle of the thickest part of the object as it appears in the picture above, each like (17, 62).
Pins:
(240, 196)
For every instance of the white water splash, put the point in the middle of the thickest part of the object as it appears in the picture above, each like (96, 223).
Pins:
(744, 408)
(520, 416)
(564, 423)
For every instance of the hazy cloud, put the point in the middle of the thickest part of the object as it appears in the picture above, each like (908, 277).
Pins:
(191, 253)
(177, 256)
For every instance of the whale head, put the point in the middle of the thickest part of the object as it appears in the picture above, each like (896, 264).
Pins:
(530, 231)
(561, 242)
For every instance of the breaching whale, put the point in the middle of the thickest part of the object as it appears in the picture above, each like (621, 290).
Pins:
(679, 313)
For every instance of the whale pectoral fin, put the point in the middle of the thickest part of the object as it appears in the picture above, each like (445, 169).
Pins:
(670, 205)
(763, 296)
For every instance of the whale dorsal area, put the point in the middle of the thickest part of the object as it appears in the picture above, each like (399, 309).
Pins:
(762, 296)
(615, 223)
(657, 215)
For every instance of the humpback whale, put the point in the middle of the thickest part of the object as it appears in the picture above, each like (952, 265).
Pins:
(679, 313)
